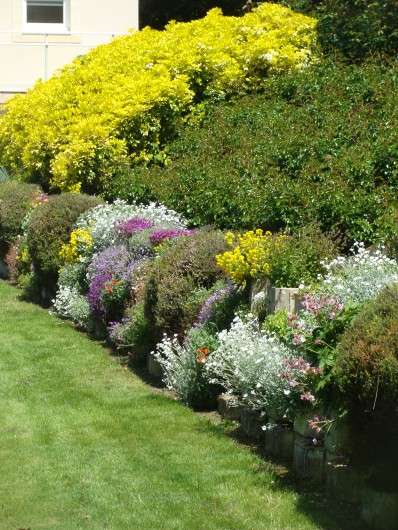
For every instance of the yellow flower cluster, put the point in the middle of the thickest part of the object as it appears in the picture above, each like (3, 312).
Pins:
(106, 109)
(80, 240)
(251, 256)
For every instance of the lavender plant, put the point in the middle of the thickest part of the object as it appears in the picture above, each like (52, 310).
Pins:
(109, 275)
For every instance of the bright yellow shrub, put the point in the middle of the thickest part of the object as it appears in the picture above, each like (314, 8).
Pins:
(251, 256)
(115, 106)
(80, 240)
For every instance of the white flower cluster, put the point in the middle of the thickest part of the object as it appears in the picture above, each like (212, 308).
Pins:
(69, 303)
(100, 220)
(359, 277)
(248, 363)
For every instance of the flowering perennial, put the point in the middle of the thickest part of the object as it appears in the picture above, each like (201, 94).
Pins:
(247, 363)
(250, 257)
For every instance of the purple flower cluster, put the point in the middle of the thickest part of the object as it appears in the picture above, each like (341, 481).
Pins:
(110, 264)
(157, 237)
(207, 310)
(42, 197)
(135, 224)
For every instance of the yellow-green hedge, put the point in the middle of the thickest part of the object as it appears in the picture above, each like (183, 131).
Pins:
(115, 106)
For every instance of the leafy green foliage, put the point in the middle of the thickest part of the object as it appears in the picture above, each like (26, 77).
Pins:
(298, 260)
(355, 28)
(50, 227)
(367, 359)
(180, 281)
(16, 200)
(317, 145)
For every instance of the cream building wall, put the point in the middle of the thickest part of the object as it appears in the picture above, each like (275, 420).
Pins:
(32, 51)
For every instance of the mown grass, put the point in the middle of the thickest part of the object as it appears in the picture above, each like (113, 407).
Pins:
(84, 443)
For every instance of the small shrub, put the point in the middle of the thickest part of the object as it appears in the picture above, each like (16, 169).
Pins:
(16, 200)
(50, 227)
(248, 363)
(180, 281)
(132, 335)
(184, 367)
(367, 358)
(366, 374)
(219, 309)
(109, 274)
(300, 259)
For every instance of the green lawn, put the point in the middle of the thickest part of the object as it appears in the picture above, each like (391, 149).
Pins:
(84, 443)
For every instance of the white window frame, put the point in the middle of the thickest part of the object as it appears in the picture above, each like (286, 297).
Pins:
(37, 27)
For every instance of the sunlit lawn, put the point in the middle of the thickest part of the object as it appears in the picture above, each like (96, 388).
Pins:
(84, 443)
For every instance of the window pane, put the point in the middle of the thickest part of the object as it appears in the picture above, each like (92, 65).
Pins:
(45, 12)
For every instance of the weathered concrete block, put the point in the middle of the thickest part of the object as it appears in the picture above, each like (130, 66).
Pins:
(3, 270)
(302, 427)
(309, 460)
(154, 367)
(279, 440)
(229, 407)
(283, 298)
(379, 509)
(343, 482)
(252, 422)
(338, 437)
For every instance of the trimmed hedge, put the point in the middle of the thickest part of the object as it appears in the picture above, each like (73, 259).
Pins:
(317, 145)
(180, 280)
(50, 227)
(16, 200)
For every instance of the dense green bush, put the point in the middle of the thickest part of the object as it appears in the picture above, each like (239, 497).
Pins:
(16, 199)
(367, 358)
(356, 28)
(317, 145)
(50, 227)
(180, 281)
(299, 259)
(366, 373)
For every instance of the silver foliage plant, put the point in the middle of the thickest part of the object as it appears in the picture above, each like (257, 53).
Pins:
(248, 363)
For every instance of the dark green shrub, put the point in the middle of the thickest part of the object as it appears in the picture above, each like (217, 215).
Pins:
(367, 358)
(366, 373)
(316, 145)
(180, 281)
(355, 28)
(16, 199)
(50, 227)
(298, 260)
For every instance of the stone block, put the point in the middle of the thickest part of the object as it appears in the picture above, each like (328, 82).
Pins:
(309, 460)
(283, 298)
(252, 422)
(229, 407)
(343, 482)
(379, 509)
(154, 367)
(279, 440)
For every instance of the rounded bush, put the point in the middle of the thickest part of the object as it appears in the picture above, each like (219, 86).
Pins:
(181, 280)
(50, 227)
(366, 374)
(16, 199)
(367, 358)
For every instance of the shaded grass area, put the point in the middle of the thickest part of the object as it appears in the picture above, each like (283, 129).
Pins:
(84, 443)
